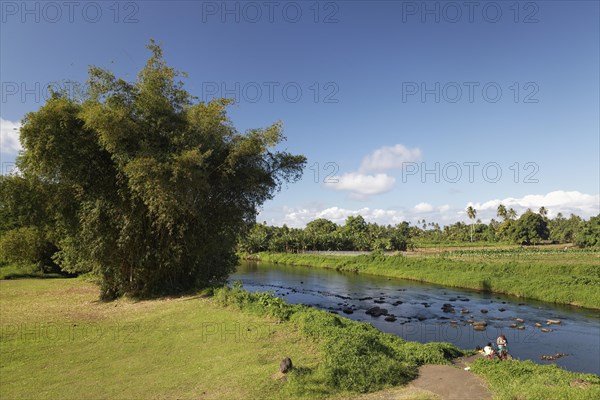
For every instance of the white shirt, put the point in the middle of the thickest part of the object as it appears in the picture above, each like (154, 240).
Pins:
(488, 350)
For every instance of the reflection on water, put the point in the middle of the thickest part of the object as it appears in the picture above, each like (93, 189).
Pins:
(426, 312)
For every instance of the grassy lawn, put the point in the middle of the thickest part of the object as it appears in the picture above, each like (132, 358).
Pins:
(552, 275)
(527, 380)
(59, 342)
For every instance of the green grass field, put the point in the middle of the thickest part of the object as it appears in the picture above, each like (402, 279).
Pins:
(59, 342)
(553, 275)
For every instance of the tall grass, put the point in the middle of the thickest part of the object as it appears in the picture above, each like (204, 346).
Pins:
(575, 283)
(527, 380)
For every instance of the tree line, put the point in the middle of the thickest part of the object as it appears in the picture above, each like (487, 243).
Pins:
(356, 234)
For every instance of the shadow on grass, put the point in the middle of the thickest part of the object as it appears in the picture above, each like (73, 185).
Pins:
(183, 295)
(35, 275)
(486, 286)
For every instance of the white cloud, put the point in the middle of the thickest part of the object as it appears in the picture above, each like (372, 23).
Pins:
(362, 184)
(9, 137)
(423, 208)
(584, 205)
(444, 208)
(389, 157)
(299, 217)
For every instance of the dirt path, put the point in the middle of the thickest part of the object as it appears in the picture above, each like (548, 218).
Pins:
(444, 382)
(451, 382)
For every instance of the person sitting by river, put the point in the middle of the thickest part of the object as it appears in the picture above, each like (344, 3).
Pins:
(488, 351)
(502, 347)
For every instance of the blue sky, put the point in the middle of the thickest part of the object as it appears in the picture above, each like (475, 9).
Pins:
(373, 93)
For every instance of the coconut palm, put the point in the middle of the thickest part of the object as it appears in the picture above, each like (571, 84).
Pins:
(512, 214)
(471, 213)
(502, 212)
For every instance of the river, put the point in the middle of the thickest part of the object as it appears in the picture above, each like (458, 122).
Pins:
(419, 313)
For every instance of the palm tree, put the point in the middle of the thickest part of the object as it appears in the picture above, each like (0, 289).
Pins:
(512, 214)
(501, 212)
(543, 211)
(471, 213)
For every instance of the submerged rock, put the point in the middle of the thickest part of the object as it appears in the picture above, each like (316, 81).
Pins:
(376, 311)
(390, 318)
(554, 357)
(447, 308)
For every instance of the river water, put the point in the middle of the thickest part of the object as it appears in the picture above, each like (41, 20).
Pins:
(417, 308)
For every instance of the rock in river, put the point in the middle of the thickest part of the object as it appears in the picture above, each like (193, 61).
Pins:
(376, 311)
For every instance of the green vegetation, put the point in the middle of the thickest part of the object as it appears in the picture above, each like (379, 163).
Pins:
(28, 249)
(358, 235)
(559, 277)
(527, 380)
(357, 356)
(589, 234)
(139, 183)
(17, 271)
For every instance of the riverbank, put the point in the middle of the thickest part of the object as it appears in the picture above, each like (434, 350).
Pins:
(547, 277)
(359, 358)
